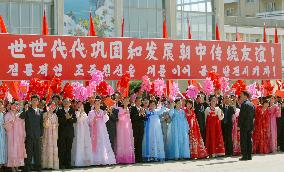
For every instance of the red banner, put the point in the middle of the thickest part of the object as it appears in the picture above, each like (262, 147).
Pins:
(74, 58)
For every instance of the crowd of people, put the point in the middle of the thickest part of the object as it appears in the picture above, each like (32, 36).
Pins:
(64, 133)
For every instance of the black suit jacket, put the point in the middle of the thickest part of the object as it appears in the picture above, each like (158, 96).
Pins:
(87, 107)
(135, 118)
(33, 122)
(228, 116)
(199, 109)
(246, 116)
(113, 118)
(65, 127)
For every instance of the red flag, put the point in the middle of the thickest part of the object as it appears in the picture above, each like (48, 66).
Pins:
(276, 36)
(217, 36)
(238, 37)
(2, 25)
(13, 88)
(189, 31)
(169, 84)
(165, 32)
(264, 33)
(44, 24)
(92, 30)
(122, 28)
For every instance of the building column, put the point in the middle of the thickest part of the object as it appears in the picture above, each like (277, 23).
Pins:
(170, 11)
(118, 15)
(58, 17)
(218, 8)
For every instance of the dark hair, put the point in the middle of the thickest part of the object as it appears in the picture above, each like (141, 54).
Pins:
(211, 97)
(152, 101)
(246, 93)
(138, 98)
(56, 96)
(265, 101)
(50, 103)
(35, 97)
(177, 100)
(14, 102)
(137, 89)
(188, 101)
(1, 101)
(98, 98)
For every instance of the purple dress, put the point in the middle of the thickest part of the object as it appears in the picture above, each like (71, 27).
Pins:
(275, 113)
(125, 141)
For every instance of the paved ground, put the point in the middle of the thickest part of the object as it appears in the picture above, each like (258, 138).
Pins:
(260, 163)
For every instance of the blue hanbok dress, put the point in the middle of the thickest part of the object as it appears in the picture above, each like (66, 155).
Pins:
(3, 141)
(178, 136)
(153, 143)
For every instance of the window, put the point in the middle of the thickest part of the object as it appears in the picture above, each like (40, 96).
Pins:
(201, 17)
(143, 18)
(249, 1)
(229, 12)
(25, 17)
(270, 6)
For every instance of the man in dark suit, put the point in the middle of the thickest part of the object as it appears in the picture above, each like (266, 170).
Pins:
(66, 119)
(137, 115)
(246, 125)
(56, 99)
(33, 117)
(200, 107)
(88, 106)
(111, 125)
(227, 125)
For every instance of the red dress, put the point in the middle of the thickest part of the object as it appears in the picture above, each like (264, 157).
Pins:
(261, 133)
(197, 148)
(214, 137)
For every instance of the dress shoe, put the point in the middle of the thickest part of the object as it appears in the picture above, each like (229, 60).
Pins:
(243, 159)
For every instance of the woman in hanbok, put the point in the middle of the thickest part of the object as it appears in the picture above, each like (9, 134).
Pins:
(101, 147)
(3, 143)
(15, 128)
(214, 138)
(274, 113)
(235, 132)
(153, 143)
(125, 141)
(82, 145)
(178, 140)
(197, 147)
(261, 133)
(49, 156)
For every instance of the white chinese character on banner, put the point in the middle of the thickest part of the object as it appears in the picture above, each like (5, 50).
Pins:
(14, 69)
(132, 52)
(245, 71)
(232, 53)
(184, 52)
(151, 70)
(43, 69)
(106, 70)
(272, 53)
(266, 71)
(118, 70)
(259, 54)
(17, 49)
(37, 48)
(93, 68)
(203, 70)
(116, 50)
(131, 70)
(274, 71)
(215, 69)
(79, 70)
(59, 46)
(200, 51)
(98, 48)
(176, 70)
(78, 46)
(168, 51)
(29, 69)
(58, 70)
(255, 71)
(186, 70)
(246, 52)
(216, 52)
(162, 71)
(236, 71)
(151, 48)
(226, 71)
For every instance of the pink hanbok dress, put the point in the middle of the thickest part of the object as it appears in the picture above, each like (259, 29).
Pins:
(236, 134)
(275, 113)
(101, 147)
(15, 129)
(124, 138)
